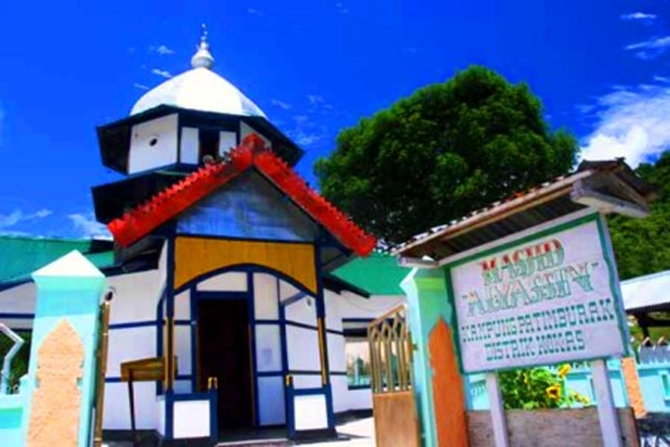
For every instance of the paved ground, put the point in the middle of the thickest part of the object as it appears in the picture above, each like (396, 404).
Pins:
(361, 433)
(354, 433)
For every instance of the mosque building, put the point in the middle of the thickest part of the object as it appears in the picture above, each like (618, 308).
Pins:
(221, 266)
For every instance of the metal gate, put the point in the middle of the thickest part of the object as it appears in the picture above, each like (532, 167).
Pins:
(394, 405)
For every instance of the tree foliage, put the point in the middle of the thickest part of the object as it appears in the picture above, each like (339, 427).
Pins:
(642, 246)
(441, 153)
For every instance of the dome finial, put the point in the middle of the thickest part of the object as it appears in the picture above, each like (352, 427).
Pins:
(202, 57)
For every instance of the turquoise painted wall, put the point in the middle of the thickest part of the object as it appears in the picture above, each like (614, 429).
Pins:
(427, 298)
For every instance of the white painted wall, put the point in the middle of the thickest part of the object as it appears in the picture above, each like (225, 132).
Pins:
(266, 302)
(231, 282)
(227, 140)
(340, 307)
(117, 407)
(272, 409)
(191, 419)
(311, 412)
(268, 348)
(190, 145)
(143, 155)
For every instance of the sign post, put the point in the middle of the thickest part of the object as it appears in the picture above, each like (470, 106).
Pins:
(498, 418)
(607, 413)
(550, 296)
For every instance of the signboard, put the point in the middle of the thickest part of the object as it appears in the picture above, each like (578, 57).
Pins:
(548, 298)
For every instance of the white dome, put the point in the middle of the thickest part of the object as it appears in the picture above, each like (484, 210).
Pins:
(198, 89)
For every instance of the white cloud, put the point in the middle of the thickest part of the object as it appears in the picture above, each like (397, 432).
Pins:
(87, 227)
(17, 216)
(162, 50)
(255, 12)
(163, 73)
(280, 104)
(305, 133)
(650, 48)
(140, 86)
(315, 99)
(632, 123)
(638, 16)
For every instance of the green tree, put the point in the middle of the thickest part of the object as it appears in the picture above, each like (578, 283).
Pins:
(441, 153)
(642, 246)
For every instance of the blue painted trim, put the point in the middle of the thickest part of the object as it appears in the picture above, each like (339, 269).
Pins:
(248, 268)
(213, 415)
(193, 309)
(304, 372)
(308, 392)
(293, 299)
(335, 332)
(245, 239)
(169, 414)
(169, 314)
(16, 316)
(290, 409)
(133, 324)
(190, 397)
(359, 387)
(159, 334)
(183, 322)
(269, 373)
(357, 320)
(300, 325)
(338, 373)
(211, 295)
(284, 355)
(15, 283)
(252, 346)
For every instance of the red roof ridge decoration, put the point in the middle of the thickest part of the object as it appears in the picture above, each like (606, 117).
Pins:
(170, 202)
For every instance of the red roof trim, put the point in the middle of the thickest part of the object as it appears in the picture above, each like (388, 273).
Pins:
(167, 204)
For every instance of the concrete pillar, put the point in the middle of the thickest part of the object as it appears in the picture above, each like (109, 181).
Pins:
(61, 374)
(438, 384)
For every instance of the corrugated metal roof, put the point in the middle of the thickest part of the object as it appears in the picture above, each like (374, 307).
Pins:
(545, 202)
(20, 256)
(378, 274)
(649, 292)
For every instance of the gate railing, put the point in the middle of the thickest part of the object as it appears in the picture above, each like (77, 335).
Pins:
(390, 344)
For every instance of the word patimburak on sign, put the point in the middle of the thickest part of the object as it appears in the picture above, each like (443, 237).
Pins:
(544, 299)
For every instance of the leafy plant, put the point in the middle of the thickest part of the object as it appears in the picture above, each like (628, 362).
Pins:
(20, 362)
(530, 389)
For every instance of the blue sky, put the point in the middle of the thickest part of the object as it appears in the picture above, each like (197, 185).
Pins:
(601, 67)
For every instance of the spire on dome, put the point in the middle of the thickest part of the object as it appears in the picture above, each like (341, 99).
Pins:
(202, 57)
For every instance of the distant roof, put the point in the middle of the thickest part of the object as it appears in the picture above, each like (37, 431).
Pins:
(378, 274)
(21, 256)
(647, 293)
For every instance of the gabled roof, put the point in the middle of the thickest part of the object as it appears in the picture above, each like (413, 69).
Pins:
(252, 153)
(609, 186)
(21, 256)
